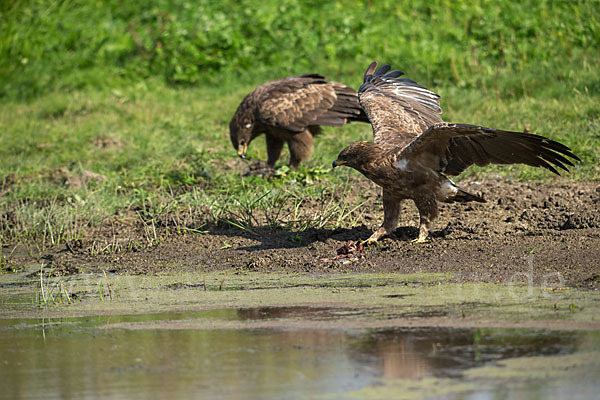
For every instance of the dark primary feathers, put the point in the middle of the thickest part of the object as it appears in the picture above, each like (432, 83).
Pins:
(452, 148)
(406, 116)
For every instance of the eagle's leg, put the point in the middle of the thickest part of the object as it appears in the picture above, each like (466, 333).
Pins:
(274, 146)
(428, 211)
(300, 146)
(391, 212)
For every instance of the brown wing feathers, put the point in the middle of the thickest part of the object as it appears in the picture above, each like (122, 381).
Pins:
(402, 88)
(399, 109)
(340, 105)
(466, 145)
(298, 102)
(346, 105)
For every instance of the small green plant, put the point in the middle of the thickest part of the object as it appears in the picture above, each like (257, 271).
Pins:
(297, 239)
(51, 293)
(100, 288)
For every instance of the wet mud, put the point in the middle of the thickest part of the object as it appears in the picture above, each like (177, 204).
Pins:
(546, 233)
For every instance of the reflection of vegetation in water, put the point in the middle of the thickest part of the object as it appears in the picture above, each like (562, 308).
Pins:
(212, 364)
(416, 353)
(155, 360)
(241, 342)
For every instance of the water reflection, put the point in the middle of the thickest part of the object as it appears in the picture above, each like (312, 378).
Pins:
(445, 352)
(296, 312)
(80, 358)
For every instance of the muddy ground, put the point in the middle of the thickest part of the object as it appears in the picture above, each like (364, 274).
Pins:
(542, 233)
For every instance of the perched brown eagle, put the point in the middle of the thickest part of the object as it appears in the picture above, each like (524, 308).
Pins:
(291, 110)
(413, 149)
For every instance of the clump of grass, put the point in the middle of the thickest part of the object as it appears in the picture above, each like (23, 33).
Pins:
(114, 245)
(51, 292)
(48, 222)
(100, 289)
(292, 207)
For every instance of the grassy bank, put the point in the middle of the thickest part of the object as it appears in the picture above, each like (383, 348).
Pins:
(69, 44)
(115, 111)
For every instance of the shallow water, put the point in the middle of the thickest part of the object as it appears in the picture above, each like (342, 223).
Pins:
(120, 357)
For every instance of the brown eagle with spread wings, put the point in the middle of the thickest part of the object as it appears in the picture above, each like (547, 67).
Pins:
(291, 110)
(413, 149)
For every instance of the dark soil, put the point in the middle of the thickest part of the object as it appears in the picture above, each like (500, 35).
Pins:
(547, 234)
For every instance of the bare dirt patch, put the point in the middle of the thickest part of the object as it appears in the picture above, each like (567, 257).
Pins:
(63, 176)
(542, 233)
(106, 142)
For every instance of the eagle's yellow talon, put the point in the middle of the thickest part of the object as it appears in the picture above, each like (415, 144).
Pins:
(420, 240)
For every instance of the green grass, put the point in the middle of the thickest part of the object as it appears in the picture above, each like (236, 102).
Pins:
(142, 94)
(70, 44)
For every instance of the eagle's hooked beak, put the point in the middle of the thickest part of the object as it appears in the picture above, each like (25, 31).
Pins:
(337, 163)
(242, 150)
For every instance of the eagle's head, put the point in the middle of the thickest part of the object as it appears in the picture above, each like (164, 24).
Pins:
(359, 155)
(241, 129)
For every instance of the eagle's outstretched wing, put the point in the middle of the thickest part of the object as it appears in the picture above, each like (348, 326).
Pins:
(452, 148)
(298, 102)
(398, 108)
